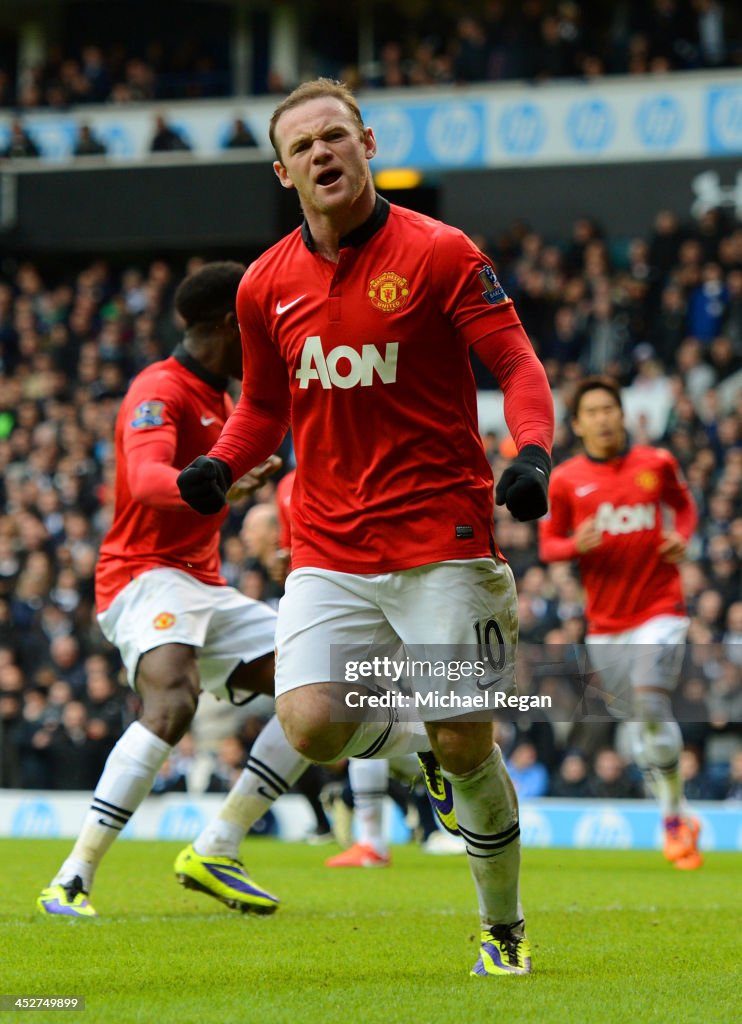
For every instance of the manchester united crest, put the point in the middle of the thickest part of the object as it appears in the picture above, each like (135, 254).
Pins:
(164, 620)
(647, 480)
(389, 292)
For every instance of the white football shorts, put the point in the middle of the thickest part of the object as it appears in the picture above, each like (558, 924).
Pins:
(647, 655)
(457, 612)
(166, 606)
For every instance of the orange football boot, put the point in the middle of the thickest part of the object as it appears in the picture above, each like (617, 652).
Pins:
(681, 843)
(359, 855)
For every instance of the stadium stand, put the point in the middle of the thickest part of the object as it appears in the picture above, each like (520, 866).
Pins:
(451, 43)
(663, 314)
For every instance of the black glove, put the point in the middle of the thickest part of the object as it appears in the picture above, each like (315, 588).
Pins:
(524, 485)
(204, 484)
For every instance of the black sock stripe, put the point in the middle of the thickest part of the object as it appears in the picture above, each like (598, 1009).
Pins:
(380, 740)
(251, 760)
(368, 792)
(279, 791)
(493, 846)
(113, 807)
(110, 814)
(667, 769)
(488, 837)
(493, 849)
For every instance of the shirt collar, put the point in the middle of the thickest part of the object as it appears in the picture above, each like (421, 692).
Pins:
(358, 235)
(193, 365)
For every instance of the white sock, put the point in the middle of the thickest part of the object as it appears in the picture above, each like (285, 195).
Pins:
(126, 780)
(487, 815)
(657, 742)
(272, 768)
(636, 730)
(658, 746)
(369, 781)
(386, 739)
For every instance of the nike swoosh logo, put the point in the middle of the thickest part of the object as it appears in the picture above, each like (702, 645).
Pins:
(207, 420)
(486, 686)
(282, 309)
(587, 489)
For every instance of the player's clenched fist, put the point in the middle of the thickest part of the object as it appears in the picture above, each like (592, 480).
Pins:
(524, 485)
(204, 484)
(587, 536)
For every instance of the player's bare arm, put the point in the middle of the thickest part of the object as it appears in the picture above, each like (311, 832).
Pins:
(673, 547)
(254, 479)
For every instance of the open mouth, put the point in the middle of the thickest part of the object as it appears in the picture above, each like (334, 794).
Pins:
(328, 177)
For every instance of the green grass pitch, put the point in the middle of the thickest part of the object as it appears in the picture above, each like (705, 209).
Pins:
(617, 937)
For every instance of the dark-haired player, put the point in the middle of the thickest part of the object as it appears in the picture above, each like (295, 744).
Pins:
(162, 601)
(607, 510)
(357, 329)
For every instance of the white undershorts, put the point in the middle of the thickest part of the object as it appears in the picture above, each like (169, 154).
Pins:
(166, 606)
(462, 610)
(649, 655)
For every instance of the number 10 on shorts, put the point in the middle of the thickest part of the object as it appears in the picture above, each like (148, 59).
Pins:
(490, 644)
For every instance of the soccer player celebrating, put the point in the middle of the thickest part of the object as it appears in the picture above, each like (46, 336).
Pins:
(356, 328)
(607, 510)
(179, 628)
(161, 600)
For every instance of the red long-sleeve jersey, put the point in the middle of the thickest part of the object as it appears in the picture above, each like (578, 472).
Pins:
(625, 580)
(368, 358)
(172, 413)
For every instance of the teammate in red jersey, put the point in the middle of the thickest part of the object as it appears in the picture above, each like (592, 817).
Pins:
(162, 601)
(607, 510)
(357, 328)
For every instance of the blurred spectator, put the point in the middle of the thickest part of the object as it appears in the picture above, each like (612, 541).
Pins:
(707, 304)
(21, 145)
(732, 637)
(696, 783)
(529, 776)
(96, 74)
(710, 32)
(692, 711)
(166, 139)
(88, 144)
(260, 536)
(471, 58)
(240, 137)
(228, 766)
(33, 736)
(11, 729)
(734, 783)
(611, 780)
(571, 780)
(169, 779)
(75, 758)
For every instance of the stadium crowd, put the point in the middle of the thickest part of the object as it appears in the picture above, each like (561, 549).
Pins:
(431, 44)
(662, 313)
(539, 41)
